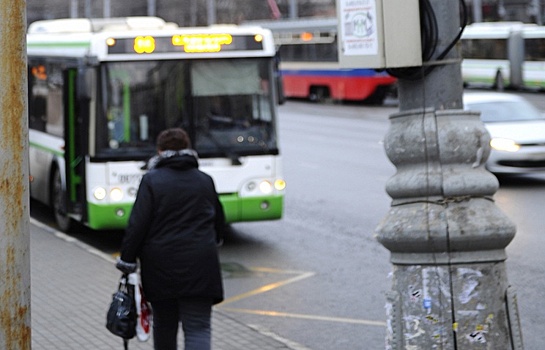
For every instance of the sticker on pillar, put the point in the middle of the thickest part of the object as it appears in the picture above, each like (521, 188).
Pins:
(426, 303)
(415, 294)
(412, 325)
(471, 279)
(489, 319)
(438, 334)
(432, 319)
(476, 337)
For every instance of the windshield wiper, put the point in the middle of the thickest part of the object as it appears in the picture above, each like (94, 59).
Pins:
(224, 150)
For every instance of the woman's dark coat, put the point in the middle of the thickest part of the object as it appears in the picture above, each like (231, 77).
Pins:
(173, 230)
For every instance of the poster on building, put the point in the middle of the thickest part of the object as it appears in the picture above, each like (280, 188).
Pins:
(358, 24)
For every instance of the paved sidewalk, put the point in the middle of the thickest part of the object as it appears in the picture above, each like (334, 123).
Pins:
(71, 288)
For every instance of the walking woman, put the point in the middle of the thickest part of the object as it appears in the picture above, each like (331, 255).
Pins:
(174, 227)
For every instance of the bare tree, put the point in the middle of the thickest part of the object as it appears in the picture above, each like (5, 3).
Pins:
(182, 12)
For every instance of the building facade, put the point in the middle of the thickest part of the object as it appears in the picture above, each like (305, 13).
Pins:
(531, 11)
(182, 12)
(202, 12)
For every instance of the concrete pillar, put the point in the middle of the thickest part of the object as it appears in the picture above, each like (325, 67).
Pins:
(14, 203)
(446, 236)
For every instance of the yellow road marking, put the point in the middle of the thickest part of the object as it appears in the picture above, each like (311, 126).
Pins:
(306, 317)
(301, 275)
(269, 287)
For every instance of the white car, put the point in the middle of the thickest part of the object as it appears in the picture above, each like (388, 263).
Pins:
(517, 131)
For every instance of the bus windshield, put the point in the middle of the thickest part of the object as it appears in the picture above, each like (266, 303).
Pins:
(226, 106)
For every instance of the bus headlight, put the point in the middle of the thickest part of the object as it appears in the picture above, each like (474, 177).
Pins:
(280, 184)
(116, 194)
(99, 193)
(500, 144)
(265, 187)
(262, 187)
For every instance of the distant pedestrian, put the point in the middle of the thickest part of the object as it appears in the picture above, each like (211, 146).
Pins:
(173, 230)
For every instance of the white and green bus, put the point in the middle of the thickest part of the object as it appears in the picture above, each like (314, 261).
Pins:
(504, 55)
(100, 91)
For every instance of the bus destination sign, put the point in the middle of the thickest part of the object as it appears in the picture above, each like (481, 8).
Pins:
(187, 43)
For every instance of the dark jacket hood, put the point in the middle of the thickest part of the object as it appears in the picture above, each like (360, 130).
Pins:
(180, 160)
(183, 162)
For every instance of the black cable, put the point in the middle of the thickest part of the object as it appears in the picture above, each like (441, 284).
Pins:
(463, 20)
(429, 30)
(429, 39)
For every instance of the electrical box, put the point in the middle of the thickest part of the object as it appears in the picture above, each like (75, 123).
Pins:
(379, 33)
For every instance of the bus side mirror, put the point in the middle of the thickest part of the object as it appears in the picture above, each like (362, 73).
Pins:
(280, 89)
(278, 80)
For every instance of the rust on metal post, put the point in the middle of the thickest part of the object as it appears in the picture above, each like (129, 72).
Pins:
(14, 203)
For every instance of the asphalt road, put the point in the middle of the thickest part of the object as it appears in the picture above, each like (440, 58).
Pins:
(318, 276)
(336, 170)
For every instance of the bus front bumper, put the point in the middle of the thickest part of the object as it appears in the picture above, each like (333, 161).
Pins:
(236, 209)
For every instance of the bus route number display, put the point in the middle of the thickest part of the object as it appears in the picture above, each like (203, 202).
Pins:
(187, 43)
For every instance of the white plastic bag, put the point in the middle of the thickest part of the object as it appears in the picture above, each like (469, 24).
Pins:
(143, 309)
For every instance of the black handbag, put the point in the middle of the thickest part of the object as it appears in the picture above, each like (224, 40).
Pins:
(121, 316)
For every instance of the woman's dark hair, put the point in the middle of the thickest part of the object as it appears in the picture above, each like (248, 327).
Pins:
(174, 139)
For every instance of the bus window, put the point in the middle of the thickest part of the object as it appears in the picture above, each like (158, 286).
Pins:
(37, 101)
(140, 100)
(534, 49)
(223, 104)
(310, 52)
(232, 109)
(54, 109)
(491, 49)
(45, 98)
(116, 110)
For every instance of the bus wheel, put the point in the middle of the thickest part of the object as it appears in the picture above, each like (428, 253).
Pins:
(377, 97)
(58, 201)
(318, 94)
(498, 82)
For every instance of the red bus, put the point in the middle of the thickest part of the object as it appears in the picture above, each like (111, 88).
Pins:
(310, 68)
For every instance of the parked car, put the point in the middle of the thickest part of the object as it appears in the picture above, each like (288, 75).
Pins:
(517, 130)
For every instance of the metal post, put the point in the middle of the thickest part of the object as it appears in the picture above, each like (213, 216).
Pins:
(293, 9)
(106, 8)
(446, 236)
(88, 9)
(535, 11)
(502, 12)
(14, 213)
(73, 8)
(151, 8)
(193, 10)
(477, 11)
(211, 11)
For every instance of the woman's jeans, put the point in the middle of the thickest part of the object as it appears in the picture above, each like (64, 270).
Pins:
(195, 316)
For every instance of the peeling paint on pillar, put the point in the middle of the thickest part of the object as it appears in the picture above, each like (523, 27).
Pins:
(14, 203)
(446, 237)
